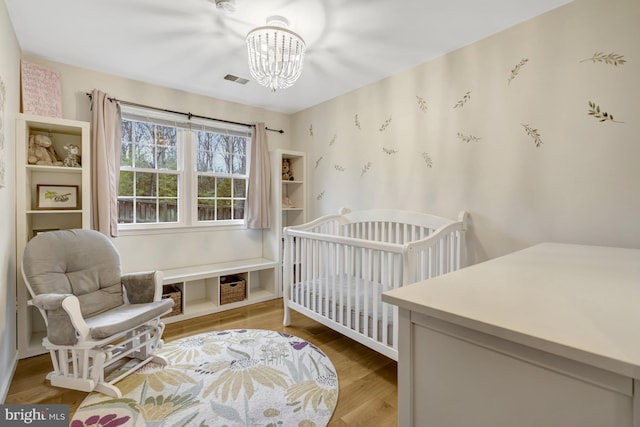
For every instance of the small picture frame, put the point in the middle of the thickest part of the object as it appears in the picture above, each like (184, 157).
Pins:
(57, 197)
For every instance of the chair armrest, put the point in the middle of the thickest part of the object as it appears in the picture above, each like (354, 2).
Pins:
(143, 287)
(72, 306)
(49, 301)
(65, 324)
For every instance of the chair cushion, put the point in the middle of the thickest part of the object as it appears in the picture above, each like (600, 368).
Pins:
(126, 317)
(81, 262)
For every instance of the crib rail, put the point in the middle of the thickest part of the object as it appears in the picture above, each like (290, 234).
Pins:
(443, 252)
(338, 282)
(335, 271)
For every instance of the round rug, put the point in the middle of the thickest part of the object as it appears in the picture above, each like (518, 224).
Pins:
(243, 377)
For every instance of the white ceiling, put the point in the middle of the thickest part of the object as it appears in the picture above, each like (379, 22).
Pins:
(190, 45)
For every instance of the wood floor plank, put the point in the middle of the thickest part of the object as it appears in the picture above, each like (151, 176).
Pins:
(367, 380)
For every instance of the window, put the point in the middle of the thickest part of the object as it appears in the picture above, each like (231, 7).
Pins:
(175, 172)
(221, 164)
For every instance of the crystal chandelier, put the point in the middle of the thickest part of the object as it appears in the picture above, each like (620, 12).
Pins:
(276, 54)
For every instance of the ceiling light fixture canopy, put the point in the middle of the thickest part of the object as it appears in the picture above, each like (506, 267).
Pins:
(276, 54)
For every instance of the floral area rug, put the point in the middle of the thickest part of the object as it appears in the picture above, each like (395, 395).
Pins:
(231, 378)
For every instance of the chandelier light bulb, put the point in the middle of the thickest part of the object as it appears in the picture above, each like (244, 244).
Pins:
(276, 54)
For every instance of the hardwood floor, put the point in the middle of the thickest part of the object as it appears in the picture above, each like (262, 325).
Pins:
(368, 381)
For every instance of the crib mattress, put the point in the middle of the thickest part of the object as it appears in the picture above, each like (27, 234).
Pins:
(346, 293)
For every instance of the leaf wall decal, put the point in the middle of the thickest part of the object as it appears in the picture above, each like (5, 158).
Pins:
(607, 58)
(533, 133)
(515, 70)
(465, 98)
(427, 159)
(422, 104)
(385, 125)
(602, 116)
(468, 138)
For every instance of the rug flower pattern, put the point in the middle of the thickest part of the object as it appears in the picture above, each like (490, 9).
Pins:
(242, 377)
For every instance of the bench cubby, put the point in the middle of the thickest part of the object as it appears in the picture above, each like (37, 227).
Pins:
(200, 285)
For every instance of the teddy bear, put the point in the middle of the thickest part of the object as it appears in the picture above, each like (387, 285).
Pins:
(41, 151)
(287, 173)
(71, 161)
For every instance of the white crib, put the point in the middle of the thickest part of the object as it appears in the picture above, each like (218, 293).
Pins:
(337, 266)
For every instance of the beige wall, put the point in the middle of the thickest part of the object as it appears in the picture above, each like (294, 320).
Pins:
(581, 185)
(10, 77)
(141, 251)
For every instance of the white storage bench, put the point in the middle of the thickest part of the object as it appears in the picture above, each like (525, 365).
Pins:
(200, 286)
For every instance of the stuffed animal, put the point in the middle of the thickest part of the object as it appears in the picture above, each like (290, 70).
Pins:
(41, 151)
(286, 202)
(287, 173)
(71, 161)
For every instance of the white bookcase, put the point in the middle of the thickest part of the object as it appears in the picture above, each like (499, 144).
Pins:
(289, 201)
(32, 218)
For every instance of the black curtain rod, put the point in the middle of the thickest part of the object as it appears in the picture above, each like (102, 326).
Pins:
(188, 115)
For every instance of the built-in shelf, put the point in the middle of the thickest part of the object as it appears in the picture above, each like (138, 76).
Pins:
(200, 285)
(290, 201)
(31, 328)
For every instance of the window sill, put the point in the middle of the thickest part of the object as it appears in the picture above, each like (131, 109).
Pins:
(178, 229)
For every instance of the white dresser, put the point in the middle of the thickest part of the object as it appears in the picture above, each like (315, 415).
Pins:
(547, 336)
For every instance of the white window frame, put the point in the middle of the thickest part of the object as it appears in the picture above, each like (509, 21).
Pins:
(187, 172)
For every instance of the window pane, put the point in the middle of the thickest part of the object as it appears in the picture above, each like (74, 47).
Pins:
(221, 163)
(205, 151)
(238, 209)
(206, 210)
(146, 184)
(126, 184)
(166, 135)
(224, 187)
(126, 154)
(168, 210)
(146, 210)
(166, 158)
(223, 209)
(205, 141)
(167, 185)
(125, 211)
(143, 133)
(239, 188)
(221, 157)
(239, 163)
(206, 186)
(127, 132)
(145, 156)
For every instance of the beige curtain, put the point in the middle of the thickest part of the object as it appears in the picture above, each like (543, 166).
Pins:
(106, 130)
(259, 197)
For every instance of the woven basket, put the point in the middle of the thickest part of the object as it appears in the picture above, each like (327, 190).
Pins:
(232, 289)
(170, 291)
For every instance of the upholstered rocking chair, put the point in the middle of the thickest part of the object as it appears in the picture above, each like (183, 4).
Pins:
(101, 325)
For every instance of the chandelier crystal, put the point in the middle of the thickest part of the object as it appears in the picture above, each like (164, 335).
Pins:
(276, 54)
